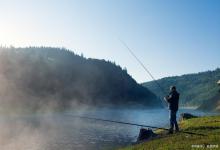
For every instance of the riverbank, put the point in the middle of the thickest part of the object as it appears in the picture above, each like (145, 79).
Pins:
(209, 126)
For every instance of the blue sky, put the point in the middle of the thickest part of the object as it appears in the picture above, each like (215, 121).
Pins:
(171, 37)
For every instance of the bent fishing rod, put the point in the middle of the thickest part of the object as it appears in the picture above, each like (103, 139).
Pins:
(146, 70)
(128, 123)
(135, 124)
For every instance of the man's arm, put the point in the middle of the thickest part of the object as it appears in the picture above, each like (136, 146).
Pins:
(168, 98)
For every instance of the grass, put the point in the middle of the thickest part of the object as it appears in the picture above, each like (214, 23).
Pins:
(209, 126)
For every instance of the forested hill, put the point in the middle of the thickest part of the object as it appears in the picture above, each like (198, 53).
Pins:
(195, 89)
(37, 76)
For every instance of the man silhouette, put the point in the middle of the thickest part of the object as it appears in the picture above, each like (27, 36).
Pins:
(173, 100)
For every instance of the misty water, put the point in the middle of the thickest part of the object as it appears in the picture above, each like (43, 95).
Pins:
(55, 131)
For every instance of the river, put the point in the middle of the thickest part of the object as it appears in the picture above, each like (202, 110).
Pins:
(56, 131)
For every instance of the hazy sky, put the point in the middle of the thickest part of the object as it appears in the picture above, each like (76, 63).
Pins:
(170, 37)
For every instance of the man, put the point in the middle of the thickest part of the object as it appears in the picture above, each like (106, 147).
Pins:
(173, 100)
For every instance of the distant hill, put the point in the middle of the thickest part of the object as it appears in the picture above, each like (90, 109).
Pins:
(211, 105)
(195, 89)
(44, 77)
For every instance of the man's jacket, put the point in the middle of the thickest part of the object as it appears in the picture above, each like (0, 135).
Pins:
(173, 100)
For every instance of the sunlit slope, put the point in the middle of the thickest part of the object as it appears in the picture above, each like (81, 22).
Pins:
(209, 126)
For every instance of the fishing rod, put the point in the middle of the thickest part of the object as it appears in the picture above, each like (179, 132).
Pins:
(134, 124)
(128, 123)
(145, 68)
(157, 83)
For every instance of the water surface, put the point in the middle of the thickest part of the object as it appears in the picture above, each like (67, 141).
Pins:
(57, 131)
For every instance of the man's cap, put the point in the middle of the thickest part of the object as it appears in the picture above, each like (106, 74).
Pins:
(173, 87)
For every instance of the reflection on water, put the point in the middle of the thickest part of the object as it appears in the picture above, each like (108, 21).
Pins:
(60, 131)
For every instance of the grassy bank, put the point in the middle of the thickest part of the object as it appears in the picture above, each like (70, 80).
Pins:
(209, 126)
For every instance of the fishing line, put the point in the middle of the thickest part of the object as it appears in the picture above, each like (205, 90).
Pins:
(128, 123)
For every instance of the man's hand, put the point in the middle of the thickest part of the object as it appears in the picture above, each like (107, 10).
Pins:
(165, 98)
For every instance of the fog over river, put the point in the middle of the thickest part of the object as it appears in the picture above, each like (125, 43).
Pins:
(56, 131)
